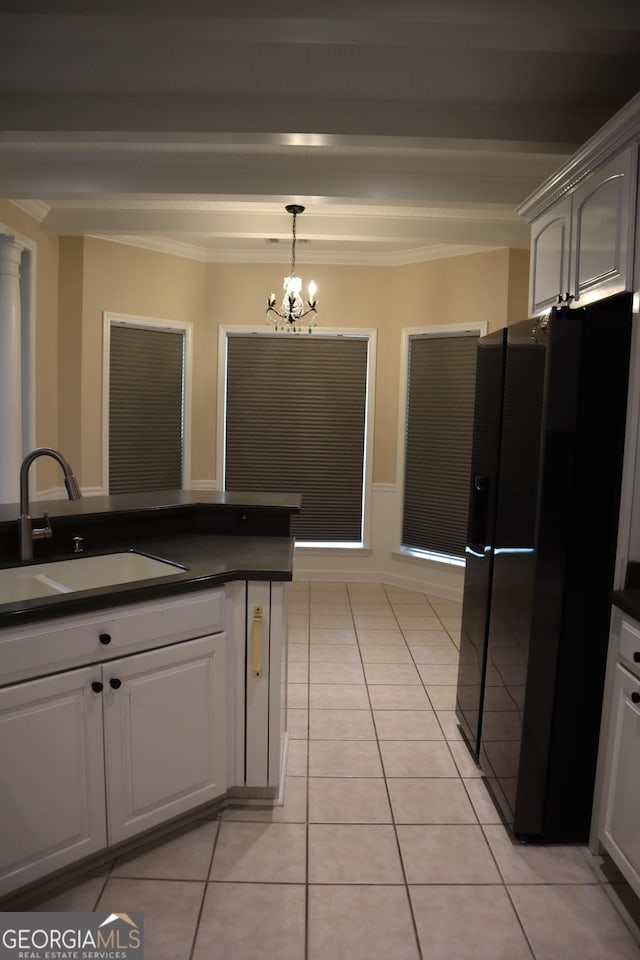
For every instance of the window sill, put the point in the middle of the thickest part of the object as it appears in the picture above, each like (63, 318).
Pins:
(422, 556)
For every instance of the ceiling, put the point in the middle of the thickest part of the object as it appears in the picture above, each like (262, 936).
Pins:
(409, 130)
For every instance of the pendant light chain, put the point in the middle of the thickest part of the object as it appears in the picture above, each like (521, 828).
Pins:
(293, 246)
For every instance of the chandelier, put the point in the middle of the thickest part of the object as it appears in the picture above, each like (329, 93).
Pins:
(292, 309)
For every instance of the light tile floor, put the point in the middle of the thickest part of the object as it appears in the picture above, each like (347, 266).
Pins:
(387, 846)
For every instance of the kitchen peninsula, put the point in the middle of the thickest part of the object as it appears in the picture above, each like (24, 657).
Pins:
(131, 704)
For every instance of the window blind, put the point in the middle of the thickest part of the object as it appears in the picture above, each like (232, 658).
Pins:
(146, 373)
(439, 429)
(295, 422)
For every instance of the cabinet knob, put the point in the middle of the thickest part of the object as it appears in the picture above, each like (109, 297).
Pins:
(636, 656)
(635, 697)
(97, 687)
(105, 638)
(115, 684)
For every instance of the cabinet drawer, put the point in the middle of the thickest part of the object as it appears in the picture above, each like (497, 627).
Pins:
(55, 645)
(630, 646)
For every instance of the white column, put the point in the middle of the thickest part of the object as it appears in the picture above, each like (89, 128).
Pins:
(10, 370)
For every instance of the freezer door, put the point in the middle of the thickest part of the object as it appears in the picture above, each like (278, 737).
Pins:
(513, 564)
(479, 554)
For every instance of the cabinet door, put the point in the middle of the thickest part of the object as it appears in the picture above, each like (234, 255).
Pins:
(52, 780)
(601, 219)
(621, 820)
(549, 264)
(165, 715)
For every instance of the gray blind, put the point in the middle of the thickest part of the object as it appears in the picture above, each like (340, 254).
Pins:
(295, 423)
(438, 443)
(145, 409)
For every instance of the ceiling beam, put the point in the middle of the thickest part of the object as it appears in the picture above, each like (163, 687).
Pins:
(202, 115)
(366, 229)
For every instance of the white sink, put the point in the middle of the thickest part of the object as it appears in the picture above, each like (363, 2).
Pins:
(80, 573)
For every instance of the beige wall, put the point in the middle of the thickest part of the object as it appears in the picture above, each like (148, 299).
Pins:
(518, 294)
(125, 279)
(80, 278)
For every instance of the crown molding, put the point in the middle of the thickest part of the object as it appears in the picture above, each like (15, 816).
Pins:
(174, 248)
(177, 248)
(440, 251)
(37, 209)
(620, 130)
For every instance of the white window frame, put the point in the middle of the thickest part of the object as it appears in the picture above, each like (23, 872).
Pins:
(460, 329)
(153, 323)
(362, 333)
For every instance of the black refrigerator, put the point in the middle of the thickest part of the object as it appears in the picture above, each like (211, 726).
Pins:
(546, 470)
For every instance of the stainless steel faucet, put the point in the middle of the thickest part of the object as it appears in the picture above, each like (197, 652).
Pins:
(29, 533)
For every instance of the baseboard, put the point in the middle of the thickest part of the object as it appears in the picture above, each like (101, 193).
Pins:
(381, 562)
(60, 493)
(93, 491)
(449, 588)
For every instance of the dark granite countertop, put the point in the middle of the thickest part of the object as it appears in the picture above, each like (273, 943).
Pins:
(157, 500)
(210, 560)
(218, 537)
(628, 599)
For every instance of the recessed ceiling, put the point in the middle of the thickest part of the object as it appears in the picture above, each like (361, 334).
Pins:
(408, 129)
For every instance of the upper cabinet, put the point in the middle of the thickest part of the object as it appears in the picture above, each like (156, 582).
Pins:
(583, 220)
(550, 250)
(582, 245)
(603, 247)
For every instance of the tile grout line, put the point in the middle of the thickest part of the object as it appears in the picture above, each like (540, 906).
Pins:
(503, 883)
(204, 890)
(102, 888)
(306, 827)
(386, 787)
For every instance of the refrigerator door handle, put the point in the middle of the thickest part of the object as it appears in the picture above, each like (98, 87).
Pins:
(479, 508)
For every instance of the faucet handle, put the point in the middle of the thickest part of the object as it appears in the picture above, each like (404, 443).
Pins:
(43, 533)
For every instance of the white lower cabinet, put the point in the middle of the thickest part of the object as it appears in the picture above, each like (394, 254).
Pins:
(95, 752)
(52, 797)
(165, 725)
(620, 819)
(162, 717)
